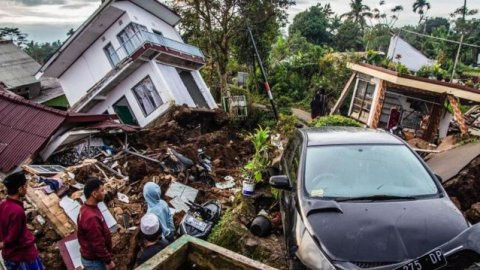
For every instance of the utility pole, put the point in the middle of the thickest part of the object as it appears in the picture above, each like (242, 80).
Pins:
(267, 86)
(461, 40)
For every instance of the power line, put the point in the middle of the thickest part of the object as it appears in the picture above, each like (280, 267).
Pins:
(439, 38)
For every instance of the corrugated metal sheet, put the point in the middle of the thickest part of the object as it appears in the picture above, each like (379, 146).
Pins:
(24, 129)
(17, 68)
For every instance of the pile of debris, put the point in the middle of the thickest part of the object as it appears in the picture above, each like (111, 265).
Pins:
(192, 154)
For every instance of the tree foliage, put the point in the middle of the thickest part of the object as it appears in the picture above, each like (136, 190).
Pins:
(14, 34)
(213, 25)
(359, 12)
(41, 51)
(316, 24)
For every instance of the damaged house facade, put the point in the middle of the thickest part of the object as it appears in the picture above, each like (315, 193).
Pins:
(383, 98)
(128, 59)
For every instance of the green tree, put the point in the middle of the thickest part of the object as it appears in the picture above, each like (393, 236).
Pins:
(316, 24)
(41, 51)
(433, 23)
(421, 7)
(348, 37)
(214, 24)
(14, 34)
(70, 32)
(265, 18)
(358, 13)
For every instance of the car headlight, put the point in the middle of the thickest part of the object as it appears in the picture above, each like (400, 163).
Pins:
(311, 255)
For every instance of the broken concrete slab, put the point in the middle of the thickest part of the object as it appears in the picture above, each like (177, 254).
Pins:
(449, 163)
(181, 194)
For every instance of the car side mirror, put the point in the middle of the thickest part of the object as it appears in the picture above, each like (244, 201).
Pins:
(280, 182)
(439, 178)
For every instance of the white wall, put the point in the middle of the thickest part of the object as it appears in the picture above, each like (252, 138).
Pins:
(147, 19)
(93, 64)
(125, 89)
(412, 58)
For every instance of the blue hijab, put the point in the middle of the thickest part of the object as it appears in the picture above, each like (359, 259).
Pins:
(152, 194)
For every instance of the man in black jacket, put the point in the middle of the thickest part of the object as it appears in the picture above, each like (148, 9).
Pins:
(318, 104)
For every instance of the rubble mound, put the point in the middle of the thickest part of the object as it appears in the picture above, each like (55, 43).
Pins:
(143, 157)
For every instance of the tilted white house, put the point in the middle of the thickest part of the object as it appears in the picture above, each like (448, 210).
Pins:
(128, 59)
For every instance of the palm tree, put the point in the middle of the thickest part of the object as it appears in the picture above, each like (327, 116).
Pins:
(421, 7)
(358, 13)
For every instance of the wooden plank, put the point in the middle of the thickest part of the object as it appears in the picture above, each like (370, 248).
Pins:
(343, 95)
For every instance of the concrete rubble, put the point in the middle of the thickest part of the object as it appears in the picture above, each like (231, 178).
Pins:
(126, 164)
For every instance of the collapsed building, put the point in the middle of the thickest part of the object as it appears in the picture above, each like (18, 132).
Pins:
(383, 98)
(26, 128)
(128, 59)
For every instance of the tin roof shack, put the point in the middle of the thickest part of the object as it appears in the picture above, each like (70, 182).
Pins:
(26, 127)
(17, 70)
(383, 98)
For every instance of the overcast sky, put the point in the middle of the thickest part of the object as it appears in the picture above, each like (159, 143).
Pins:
(49, 20)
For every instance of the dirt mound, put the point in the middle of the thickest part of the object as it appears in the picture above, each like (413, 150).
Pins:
(184, 130)
(465, 190)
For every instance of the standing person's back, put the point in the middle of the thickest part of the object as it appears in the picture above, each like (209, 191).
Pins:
(16, 241)
(93, 234)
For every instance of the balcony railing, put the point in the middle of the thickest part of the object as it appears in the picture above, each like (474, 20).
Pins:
(141, 37)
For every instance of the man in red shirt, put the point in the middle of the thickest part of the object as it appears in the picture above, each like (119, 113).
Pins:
(93, 233)
(16, 241)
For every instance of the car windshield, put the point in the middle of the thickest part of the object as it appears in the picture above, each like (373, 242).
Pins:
(349, 171)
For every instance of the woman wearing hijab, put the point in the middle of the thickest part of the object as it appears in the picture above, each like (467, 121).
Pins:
(152, 194)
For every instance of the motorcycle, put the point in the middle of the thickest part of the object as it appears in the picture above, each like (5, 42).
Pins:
(205, 167)
(200, 219)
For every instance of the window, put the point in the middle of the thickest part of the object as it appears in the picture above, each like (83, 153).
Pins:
(292, 159)
(111, 54)
(363, 101)
(147, 96)
(366, 170)
(130, 37)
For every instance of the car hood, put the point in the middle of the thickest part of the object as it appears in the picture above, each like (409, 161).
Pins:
(384, 231)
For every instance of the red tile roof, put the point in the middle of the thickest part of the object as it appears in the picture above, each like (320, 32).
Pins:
(25, 127)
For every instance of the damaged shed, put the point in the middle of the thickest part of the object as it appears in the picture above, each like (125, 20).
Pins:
(383, 98)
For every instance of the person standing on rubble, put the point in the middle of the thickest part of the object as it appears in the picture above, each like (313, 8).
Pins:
(151, 233)
(16, 241)
(318, 105)
(93, 233)
(152, 194)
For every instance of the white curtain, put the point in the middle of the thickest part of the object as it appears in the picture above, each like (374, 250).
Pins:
(147, 96)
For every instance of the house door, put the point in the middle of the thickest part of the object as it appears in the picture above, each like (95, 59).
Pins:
(124, 112)
(192, 88)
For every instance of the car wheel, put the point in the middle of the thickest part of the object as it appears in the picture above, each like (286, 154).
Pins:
(295, 264)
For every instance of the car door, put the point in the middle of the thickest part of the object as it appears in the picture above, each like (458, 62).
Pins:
(288, 201)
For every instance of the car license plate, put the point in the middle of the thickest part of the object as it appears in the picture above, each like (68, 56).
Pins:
(431, 261)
